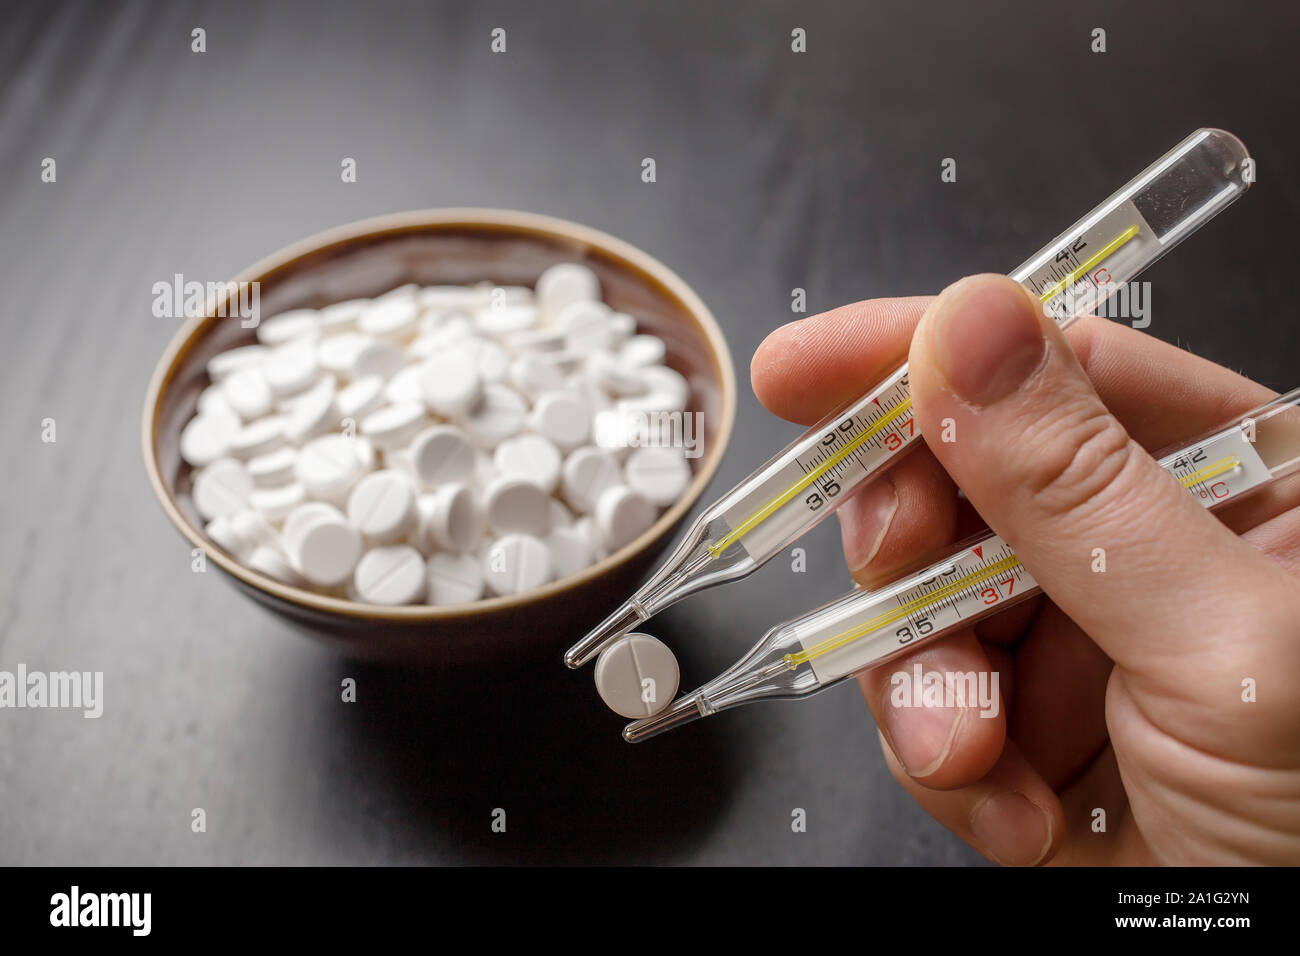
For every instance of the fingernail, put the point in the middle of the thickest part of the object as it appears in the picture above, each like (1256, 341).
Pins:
(1012, 829)
(921, 737)
(865, 519)
(986, 338)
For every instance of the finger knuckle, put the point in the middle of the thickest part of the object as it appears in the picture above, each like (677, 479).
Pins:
(1078, 462)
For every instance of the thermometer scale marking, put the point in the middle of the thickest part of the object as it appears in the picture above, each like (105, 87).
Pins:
(887, 419)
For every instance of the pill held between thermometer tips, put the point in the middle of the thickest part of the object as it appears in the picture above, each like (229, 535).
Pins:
(637, 676)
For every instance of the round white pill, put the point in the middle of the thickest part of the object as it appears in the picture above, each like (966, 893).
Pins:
(533, 375)
(642, 350)
(570, 550)
(484, 469)
(450, 519)
(288, 326)
(291, 368)
(586, 326)
(254, 529)
(360, 398)
(661, 474)
(326, 551)
(273, 564)
(222, 488)
(220, 530)
(273, 469)
(564, 283)
(536, 340)
(313, 412)
(227, 363)
(258, 437)
(376, 358)
(513, 503)
(450, 386)
(562, 418)
(329, 466)
(301, 517)
(501, 413)
(207, 437)
(247, 392)
(502, 319)
(621, 515)
(342, 316)
(405, 386)
(666, 391)
(485, 356)
(442, 454)
(454, 579)
(382, 506)
(394, 574)
(587, 473)
(622, 326)
(560, 516)
(531, 457)
(446, 298)
(613, 376)
(275, 504)
(515, 563)
(338, 353)
(637, 676)
(394, 425)
(391, 318)
(212, 400)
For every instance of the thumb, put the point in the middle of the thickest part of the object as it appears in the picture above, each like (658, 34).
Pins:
(1013, 418)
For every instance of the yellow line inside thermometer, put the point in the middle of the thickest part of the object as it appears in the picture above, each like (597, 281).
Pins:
(924, 601)
(889, 418)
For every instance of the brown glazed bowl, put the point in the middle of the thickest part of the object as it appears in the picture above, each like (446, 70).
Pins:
(433, 247)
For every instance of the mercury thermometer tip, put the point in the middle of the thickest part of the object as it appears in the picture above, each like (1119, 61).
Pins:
(628, 616)
(682, 711)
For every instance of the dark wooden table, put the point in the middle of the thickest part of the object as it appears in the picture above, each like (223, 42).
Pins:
(775, 170)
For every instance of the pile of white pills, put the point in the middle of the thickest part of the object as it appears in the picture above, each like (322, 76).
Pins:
(435, 444)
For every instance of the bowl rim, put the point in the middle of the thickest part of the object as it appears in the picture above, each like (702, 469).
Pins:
(391, 224)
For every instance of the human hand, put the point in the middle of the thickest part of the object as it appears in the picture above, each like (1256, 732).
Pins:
(1123, 691)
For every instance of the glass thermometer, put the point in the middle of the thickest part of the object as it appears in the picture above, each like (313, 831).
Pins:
(981, 577)
(805, 482)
